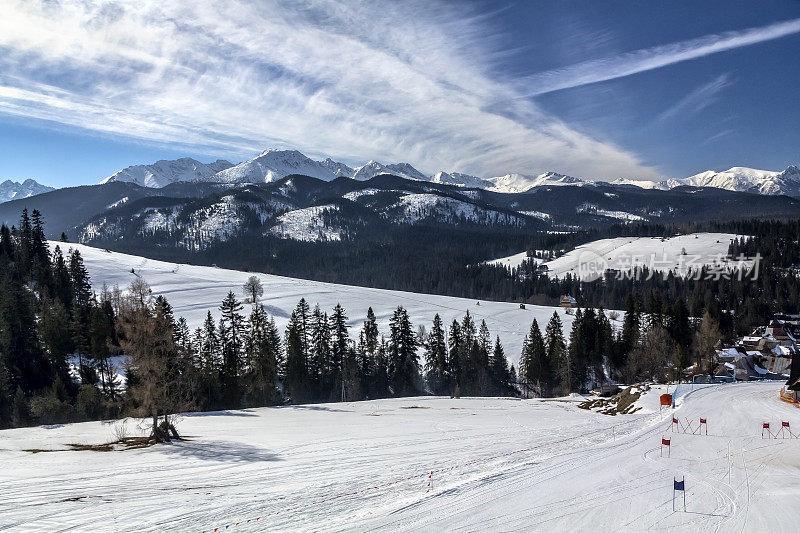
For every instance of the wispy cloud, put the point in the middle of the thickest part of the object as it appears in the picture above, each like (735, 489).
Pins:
(718, 136)
(637, 61)
(390, 80)
(697, 100)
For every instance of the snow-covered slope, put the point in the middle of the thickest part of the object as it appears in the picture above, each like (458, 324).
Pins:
(164, 172)
(13, 190)
(680, 254)
(307, 224)
(272, 165)
(194, 290)
(420, 464)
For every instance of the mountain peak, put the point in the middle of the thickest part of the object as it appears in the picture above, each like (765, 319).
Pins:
(13, 190)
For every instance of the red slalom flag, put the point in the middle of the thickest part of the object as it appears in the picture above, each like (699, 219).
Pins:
(664, 442)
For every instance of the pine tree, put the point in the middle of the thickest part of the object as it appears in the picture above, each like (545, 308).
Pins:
(535, 364)
(455, 359)
(556, 350)
(232, 329)
(403, 362)
(436, 358)
(296, 372)
(499, 368)
(344, 373)
(262, 358)
(321, 368)
(366, 354)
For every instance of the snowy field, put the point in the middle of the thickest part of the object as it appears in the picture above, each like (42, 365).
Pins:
(194, 290)
(497, 465)
(623, 253)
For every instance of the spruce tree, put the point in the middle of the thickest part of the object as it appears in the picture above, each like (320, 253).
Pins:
(499, 368)
(436, 358)
(556, 350)
(403, 361)
(231, 324)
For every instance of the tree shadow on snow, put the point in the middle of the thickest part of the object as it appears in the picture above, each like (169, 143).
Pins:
(219, 413)
(317, 408)
(223, 452)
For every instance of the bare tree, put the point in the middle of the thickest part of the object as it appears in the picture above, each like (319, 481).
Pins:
(705, 344)
(252, 289)
(650, 357)
(147, 335)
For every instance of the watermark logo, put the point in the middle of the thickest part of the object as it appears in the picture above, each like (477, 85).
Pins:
(591, 266)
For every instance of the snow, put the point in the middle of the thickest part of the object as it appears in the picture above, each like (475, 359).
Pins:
(355, 195)
(512, 261)
(194, 290)
(621, 215)
(163, 172)
(337, 169)
(13, 190)
(741, 179)
(538, 214)
(419, 206)
(307, 225)
(118, 203)
(514, 182)
(497, 465)
(272, 165)
(621, 253)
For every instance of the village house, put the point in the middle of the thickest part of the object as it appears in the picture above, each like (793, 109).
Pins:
(767, 353)
(568, 301)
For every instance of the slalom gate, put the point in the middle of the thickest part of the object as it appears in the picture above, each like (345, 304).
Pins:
(785, 432)
(665, 442)
(426, 475)
(687, 426)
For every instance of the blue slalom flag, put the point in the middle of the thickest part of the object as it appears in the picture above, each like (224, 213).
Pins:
(678, 484)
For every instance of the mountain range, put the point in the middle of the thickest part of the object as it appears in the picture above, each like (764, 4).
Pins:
(272, 165)
(13, 190)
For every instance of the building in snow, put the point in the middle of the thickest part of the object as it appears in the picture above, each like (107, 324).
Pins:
(568, 301)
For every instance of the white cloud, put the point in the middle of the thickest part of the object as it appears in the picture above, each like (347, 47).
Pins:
(630, 63)
(354, 80)
(698, 99)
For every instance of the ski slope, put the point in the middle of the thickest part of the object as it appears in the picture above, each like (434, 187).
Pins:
(680, 254)
(194, 290)
(497, 465)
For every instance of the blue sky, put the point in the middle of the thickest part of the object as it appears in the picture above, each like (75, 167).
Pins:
(593, 89)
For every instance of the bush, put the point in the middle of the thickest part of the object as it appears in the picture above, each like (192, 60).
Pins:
(48, 409)
(89, 403)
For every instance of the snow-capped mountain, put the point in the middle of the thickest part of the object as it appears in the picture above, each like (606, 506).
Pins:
(740, 179)
(12, 190)
(338, 169)
(749, 180)
(272, 165)
(162, 173)
(406, 170)
(373, 168)
(514, 182)
(460, 180)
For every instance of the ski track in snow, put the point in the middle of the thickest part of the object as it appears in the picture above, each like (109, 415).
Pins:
(498, 465)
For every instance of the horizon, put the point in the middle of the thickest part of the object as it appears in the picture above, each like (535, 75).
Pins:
(640, 92)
